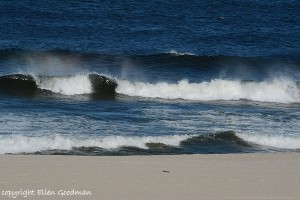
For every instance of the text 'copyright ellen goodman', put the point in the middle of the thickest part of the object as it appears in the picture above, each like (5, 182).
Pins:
(27, 193)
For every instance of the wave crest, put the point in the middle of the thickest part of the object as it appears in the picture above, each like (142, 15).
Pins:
(176, 53)
(212, 143)
(276, 141)
(277, 90)
(27, 85)
(25, 144)
(72, 85)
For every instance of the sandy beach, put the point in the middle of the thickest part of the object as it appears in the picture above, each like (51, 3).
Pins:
(230, 176)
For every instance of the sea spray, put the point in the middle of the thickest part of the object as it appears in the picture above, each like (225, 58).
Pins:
(72, 85)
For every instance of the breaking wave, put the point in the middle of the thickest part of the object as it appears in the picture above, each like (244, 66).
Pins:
(27, 85)
(227, 141)
(25, 144)
(276, 141)
(277, 90)
(72, 85)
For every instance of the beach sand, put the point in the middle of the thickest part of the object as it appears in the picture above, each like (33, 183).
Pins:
(229, 176)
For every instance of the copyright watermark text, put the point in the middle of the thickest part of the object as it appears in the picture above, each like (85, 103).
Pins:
(25, 193)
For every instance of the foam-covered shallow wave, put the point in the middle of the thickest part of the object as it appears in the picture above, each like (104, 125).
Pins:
(20, 144)
(28, 85)
(280, 90)
(220, 142)
(276, 141)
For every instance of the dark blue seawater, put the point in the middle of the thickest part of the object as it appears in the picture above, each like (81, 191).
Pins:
(149, 77)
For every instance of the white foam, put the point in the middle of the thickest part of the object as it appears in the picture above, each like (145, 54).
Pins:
(176, 53)
(277, 90)
(72, 85)
(20, 143)
(277, 141)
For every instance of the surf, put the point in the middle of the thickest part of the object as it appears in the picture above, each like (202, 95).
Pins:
(31, 85)
(218, 142)
(278, 90)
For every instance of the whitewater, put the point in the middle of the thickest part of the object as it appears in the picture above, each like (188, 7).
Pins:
(135, 120)
(31, 144)
(159, 77)
(72, 85)
(280, 90)
(276, 90)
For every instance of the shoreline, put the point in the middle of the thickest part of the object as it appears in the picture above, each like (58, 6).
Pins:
(197, 176)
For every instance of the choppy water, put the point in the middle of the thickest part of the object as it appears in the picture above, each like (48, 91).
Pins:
(155, 77)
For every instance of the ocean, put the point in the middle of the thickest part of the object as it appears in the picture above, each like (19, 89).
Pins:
(149, 77)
